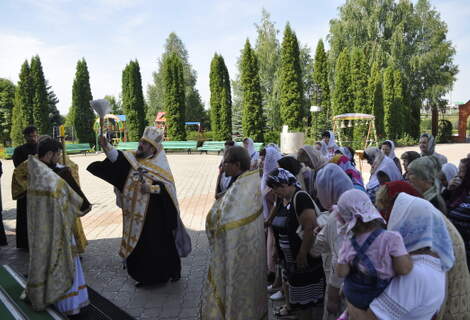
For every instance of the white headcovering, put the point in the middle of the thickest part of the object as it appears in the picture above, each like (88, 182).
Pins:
(254, 155)
(449, 170)
(422, 225)
(353, 204)
(345, 151)
(332, 142)
(331, 182)
(388, 167)
(392, 149)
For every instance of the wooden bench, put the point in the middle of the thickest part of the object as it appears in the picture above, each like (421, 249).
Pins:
(180, 145)
(73, 148)
(216, 146)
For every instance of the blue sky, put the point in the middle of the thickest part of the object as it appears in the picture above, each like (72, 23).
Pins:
(109, 33)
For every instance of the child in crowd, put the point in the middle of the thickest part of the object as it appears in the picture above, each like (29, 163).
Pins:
(371, 256)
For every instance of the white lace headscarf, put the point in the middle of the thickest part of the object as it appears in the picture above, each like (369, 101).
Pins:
(387, 166)
(254, 155)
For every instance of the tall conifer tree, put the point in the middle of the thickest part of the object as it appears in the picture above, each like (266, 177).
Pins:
(402, 115)
(359, 76)
(322, 86)
(7, 102)
(221, 99)
(343, 95)
(40, 101)
(82, 115)
(22, 114)
(252, 114)
(290, 77)
(173, 83)
(389, 104)
(375, 94)
(133, 100)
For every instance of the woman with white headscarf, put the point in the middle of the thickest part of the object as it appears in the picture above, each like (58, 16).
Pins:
(448, 172)
(388, 149)
(254, 155)
(329, 145)
(383, 169)
(421, 293)
(427, 146)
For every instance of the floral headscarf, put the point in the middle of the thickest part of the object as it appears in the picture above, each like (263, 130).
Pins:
(281, 176)
(354, 204)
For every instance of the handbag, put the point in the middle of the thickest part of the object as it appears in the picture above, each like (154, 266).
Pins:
(322, 216)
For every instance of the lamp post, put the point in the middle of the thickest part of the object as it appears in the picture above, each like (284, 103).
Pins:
(315, 110)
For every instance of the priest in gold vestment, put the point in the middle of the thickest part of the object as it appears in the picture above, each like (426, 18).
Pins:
(55, 274)
(235, 287)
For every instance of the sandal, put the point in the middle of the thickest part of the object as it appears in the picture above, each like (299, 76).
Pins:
(285, 313)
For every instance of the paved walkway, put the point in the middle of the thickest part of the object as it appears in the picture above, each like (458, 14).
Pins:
(195, 177)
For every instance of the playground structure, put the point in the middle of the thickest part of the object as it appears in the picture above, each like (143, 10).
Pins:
(160, 122)
(114, 128)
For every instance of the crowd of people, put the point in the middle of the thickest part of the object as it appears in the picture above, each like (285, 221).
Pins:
(394, 248)
(304, 227)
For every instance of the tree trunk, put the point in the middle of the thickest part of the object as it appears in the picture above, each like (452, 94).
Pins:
(434, 121)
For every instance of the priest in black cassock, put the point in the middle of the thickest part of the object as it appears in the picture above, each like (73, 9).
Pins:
(153, 237)
(20, 155)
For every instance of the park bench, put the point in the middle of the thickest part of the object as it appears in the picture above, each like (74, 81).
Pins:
(180, 145)
(127, 145)
(9, 152)
(215, 146)
(258, 145)
(73, 148)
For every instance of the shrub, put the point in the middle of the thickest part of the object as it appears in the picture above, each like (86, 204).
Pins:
(272, 137)
(444, 131)
(406, 140)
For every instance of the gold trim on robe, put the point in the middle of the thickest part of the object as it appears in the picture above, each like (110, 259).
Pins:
(235, 287)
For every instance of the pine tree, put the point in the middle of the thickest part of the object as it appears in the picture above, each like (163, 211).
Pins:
(221, 99)
(215, 85)
(22, 114)
(359, 75)
(225, 103)
(133, 100)
(7, 102)
(389, 104)
(290, 77)
(56, 119)
(343, 95)
(40, 103)
(156, 94)
(173, 82)
(322, 86)
(375, 94)
(252, 112)
(401, 114)
(82, 115)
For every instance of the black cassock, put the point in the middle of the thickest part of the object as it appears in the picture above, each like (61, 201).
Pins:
(20, 155)
(154, 259)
